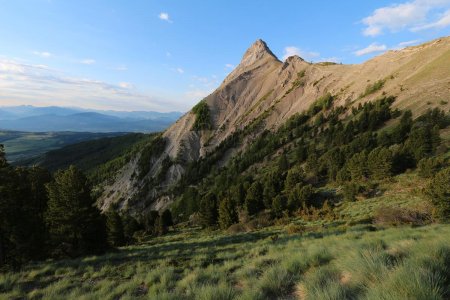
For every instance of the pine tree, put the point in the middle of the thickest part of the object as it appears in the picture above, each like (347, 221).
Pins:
(227, 213)
(294, 176)
(22, 203)
(114, 225)
(75, 224)
(357, 166)
(380, 162)
(130, 226)
(279, 205)
(166, 218)
(254, 199)
(208, 210)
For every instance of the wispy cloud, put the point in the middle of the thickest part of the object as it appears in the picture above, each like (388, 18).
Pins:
(165, 17)
(87, 61)
(180, 70)
(374, 47)
(442, 22)
(42, 54)
(412, 15)
(405, 44)
(126, 85)
(23, 83)
(121, 68)
(292, 50)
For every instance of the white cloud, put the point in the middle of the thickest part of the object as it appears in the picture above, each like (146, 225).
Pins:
(374, 47)
(229, 66)
(330, 59)
(42, 54)
(121, 68)
(306, 55)
(126, 85)
(39, 85)
(165, 17)
(87, 61)
(197, 94)
(442, 22)
(408, 15)
(180, 70)
(405, 44)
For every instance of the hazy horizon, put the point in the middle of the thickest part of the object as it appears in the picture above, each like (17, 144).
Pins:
(166, 56)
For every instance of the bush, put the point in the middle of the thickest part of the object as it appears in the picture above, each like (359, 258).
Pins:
(438, 192)
(429, 166)
(294, 228)
(395, 216)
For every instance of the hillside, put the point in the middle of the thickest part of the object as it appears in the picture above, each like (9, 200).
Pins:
(263, 93)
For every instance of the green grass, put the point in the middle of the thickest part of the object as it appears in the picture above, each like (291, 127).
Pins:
(396, 263)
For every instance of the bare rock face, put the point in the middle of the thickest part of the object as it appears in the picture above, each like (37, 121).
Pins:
(263, 87)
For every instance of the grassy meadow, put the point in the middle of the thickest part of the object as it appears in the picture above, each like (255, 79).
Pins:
(336, 263)
(346, 256)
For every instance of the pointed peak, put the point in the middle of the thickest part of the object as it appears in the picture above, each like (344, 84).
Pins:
(257, 51)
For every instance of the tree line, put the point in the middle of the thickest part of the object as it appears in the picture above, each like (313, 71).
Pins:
(44, 215)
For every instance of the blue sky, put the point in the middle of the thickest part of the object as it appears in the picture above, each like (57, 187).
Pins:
(167, 55)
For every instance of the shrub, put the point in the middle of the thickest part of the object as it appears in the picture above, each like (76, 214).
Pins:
(399, 216)
(372, 88)
(294, 228)
(438, 192)
(429, 166)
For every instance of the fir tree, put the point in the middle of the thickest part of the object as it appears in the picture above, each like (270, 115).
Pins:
(254, 199)
(209, 210)
(114, 225)
(75, 224)
(227, 213)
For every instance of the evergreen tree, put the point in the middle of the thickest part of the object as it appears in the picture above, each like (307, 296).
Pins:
(227, 213)
(115, 228)
(209, 210)
(294, 176)
(380, 161)
(429, 166)
(283, 163)
(300, 196)
(22, 203)
(357, 166)
(75, 224)
(400, 133)
(254, 199)
(150, 221)
(279, 205)
(166, 218)
(130, 226)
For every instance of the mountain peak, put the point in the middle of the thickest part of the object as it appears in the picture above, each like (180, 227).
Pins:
(257, 51)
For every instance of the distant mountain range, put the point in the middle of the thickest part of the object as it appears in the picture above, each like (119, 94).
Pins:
(55, 118)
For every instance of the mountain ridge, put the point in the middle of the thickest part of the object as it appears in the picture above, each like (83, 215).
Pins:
(263, 92)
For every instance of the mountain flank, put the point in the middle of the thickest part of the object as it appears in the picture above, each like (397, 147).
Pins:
(263, 92)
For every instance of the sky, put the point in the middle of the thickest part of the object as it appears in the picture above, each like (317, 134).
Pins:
(167, 55)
